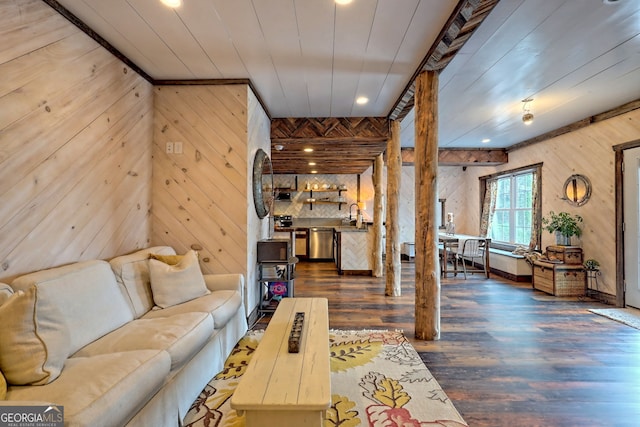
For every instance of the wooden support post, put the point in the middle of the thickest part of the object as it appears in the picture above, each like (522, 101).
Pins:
(378, 197)
(427, 308)
(394, 175)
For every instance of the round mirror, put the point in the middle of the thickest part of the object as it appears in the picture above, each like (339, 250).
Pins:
(577, 190)
(262, 183)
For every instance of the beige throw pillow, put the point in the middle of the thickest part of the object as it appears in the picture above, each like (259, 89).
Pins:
(175, 284)
(167, 259)
(34, 339)
(3, 387)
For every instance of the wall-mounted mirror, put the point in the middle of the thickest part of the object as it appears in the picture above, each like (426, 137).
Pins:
(577, 190)
(262, 183)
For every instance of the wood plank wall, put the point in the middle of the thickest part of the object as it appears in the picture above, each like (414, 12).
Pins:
(586, 151)
(75, 139)
(202, 197)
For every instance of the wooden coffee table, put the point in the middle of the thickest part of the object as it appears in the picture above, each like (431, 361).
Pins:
(282, 389)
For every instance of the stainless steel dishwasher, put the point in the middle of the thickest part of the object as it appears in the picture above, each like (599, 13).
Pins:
(321, 243)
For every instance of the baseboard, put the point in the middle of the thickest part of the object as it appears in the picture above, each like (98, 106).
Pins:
(511, 276)
(602, 297)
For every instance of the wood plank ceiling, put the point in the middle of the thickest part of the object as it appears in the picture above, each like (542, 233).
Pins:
(329, 53)
(351, 145)
(313, 58)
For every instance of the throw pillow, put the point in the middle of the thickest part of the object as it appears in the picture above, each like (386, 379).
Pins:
(175, 284)
(3, 387)
(167, 259)
(34, 339)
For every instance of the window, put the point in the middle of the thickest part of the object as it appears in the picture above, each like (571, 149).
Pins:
(511, 222)
(510, 211)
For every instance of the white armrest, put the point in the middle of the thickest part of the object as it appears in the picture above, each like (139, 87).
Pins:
(225, 282)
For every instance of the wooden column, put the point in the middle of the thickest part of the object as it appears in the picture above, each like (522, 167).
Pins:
(427, 308)
(378, 167)
(394, 175)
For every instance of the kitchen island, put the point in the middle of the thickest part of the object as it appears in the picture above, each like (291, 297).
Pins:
(352, 246)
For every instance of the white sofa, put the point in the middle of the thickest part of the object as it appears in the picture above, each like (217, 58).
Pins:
(90, 337)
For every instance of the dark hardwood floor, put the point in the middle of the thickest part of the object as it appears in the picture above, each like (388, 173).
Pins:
(507, 355)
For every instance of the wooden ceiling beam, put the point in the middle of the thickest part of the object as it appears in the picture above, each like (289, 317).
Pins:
(347, 145)
(461, 157)
(465, 19)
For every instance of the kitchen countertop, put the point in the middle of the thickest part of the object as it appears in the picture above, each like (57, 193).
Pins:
(349, 228)
(338, 228)
(323, 223)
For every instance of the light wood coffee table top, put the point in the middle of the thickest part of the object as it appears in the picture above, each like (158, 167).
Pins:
(282, 388)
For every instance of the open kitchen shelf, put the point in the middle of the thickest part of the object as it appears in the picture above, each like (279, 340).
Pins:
(325, 202)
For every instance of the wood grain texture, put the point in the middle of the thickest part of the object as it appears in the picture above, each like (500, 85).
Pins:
(461, 157)
(394, 175)
(465, 19)
(75, 145)
(289, 389)
(347, 145)
(378, 209)
(202, 197)
(427, 307)
(508, 355)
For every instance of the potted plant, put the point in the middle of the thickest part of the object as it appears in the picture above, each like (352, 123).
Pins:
(564, 225)
(592, 265)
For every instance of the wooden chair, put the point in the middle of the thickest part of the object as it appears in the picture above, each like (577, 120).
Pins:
(472, 249)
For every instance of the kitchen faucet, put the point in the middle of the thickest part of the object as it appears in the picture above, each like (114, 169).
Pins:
(352, 205)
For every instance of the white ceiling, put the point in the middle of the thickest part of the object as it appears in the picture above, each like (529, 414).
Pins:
(312, 58)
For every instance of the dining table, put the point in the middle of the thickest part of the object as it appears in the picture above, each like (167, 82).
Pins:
(452, 243)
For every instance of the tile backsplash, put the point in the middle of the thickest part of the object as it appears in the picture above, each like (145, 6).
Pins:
(298, 207)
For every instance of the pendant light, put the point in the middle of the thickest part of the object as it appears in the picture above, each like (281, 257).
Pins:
(527, 116)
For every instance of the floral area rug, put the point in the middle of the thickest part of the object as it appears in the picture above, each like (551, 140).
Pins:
(377, 379)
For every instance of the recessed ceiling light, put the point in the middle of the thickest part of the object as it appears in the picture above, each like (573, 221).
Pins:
(362, 100)
(312, 163)
(343, 1)
(314, 171)
(172, 3)
(308, 150)
(485, 140)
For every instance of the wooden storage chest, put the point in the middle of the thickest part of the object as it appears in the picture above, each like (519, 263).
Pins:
(561, 280)
(565, 254)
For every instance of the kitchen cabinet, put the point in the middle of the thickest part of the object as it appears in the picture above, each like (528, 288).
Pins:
(302, 242)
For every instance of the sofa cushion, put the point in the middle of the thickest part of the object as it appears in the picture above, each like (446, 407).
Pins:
(182, 336)
(5, 292)
(90, 300)
(175, 284)
(34, 339)
(132, 272)
(105, 390)
(222, 305)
